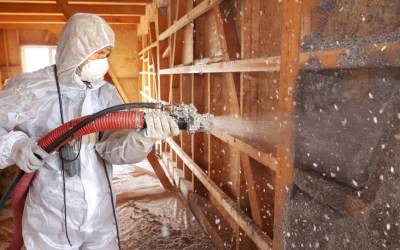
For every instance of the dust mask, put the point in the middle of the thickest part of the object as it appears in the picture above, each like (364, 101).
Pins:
(94, 70)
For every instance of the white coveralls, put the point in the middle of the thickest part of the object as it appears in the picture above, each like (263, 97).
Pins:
(29, 108)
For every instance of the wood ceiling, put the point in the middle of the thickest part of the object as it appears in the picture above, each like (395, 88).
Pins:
(50, 12)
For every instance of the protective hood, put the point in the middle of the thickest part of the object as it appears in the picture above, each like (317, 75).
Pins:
(82, 35)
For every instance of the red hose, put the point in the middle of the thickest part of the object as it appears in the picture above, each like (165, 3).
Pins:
(112, 121)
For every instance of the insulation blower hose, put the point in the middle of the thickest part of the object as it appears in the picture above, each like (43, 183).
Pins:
(112, 118)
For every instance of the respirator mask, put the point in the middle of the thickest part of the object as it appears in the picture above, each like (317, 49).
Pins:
(94, 70)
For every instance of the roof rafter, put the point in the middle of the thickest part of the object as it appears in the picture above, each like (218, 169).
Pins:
(60, 19)
(99, 2)
(53, 8)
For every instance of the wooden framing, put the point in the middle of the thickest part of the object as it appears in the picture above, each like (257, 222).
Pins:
(248, 65)
(339, 198)
(118, 84)
(151, 46)
(200, 9)
(194, 203)
(266, 159)
(290, 66)
(261, 240)
(232, 208)
(155, 163)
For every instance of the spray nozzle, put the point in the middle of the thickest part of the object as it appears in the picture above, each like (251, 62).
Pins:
(188, 118)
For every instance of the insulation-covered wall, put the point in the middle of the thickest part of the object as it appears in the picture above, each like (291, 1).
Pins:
(346, 132)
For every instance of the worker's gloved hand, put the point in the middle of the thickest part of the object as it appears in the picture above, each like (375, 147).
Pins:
(160, 126)
(25, 153)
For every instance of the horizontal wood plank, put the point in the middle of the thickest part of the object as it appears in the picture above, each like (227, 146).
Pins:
(49, 8)
(60, 19)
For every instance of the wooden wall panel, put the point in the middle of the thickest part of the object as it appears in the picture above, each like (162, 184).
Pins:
(10, 48)
(262, 27)
(124, 55)
(206, 37)
(125, 60)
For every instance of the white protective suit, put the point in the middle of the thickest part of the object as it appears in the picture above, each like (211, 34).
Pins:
(29, 108)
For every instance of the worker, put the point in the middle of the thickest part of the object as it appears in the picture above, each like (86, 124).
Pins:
(68, 205)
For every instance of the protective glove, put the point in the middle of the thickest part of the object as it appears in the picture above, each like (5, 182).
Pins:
(160, 126)
(25, 153)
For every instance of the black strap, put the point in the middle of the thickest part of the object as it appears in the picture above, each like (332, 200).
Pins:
(59, 95)
(62, 161)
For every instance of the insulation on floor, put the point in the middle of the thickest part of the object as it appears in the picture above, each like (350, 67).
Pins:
(149, 217)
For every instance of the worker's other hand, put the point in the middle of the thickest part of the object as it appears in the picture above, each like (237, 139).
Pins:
(160, 126)
(28, 155)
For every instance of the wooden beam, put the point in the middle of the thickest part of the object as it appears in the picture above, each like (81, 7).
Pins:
(209, 60)
(60, 19)
(308, 17)
(112, 2)
(51, 26)
(290, 66)
(340, 198)
(154, 161)
(166, 53)
(153, 51)
(262, 157)
(153, 45)
(161, 26)
(246, 223)
(188, 39)
(118, 84)
(194, 201)
(166, 166)
(372, 55)
(121, 19)
(99, 2)
(176, 44)
(270, 64)
(66, 9)
(380, 54)
(197, 11)
(46, 8)
(252, 191)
